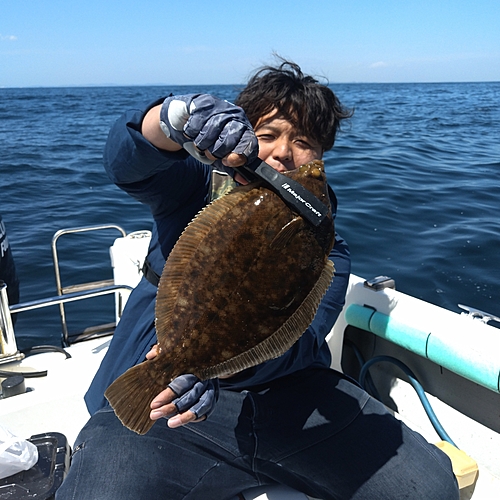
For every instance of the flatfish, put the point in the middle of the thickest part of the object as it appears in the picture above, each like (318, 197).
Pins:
(240, 287)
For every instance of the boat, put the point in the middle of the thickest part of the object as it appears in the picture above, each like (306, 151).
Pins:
(437, 370)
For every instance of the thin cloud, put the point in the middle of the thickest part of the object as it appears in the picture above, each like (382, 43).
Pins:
(192, 49)
(379, 64)
(8, 38)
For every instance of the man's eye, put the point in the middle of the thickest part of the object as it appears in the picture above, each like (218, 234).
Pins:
(303, 144)
(265, 137)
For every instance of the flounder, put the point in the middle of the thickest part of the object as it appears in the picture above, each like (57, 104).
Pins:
(240, 286)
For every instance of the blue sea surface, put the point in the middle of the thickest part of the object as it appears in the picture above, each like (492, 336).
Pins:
(416, 172)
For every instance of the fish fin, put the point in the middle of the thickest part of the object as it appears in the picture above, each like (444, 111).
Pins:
(130, 396)
(288, 231)
(181, 255)
(281, 340)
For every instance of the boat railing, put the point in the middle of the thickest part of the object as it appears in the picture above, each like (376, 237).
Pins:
(81, 288)
(9, 351)
(65, 294)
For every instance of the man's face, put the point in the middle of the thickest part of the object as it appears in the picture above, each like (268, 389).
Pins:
(282, 146)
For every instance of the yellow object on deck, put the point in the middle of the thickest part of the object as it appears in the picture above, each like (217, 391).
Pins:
(464, 467)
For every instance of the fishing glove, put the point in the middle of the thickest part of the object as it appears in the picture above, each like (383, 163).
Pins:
(195, 395)
(200, 122)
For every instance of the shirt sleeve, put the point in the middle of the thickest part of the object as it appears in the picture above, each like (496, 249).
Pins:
(173, 185)
(163, 180)
(128, 156)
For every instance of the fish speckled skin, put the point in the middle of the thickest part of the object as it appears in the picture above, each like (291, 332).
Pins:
(240, 286)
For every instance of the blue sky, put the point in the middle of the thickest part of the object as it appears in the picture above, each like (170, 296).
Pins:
(125, 42)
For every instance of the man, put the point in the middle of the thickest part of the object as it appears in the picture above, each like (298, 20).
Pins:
(8, 272)
(291, 420)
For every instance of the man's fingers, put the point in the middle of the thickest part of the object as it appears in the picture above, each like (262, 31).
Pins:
(165, 411)
(153, 352)
(234, 160)
(186, 399)
(182, 419)
(164, 398)
(231, 160)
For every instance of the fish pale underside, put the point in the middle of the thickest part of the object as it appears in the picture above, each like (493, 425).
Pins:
(240, 287)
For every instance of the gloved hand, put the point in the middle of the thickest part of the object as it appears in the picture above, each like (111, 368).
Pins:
(199, 397)
(201, 122)
(186, 399)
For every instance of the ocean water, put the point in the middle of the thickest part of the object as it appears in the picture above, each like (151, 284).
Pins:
(416, 172)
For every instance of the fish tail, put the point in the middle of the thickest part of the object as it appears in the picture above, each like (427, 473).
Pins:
(130, 396)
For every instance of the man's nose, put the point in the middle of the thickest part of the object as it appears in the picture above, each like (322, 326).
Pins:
(283, 154)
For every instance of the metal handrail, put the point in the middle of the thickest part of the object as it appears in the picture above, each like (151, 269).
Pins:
(63, 291)
(68, 297)
(8, 351)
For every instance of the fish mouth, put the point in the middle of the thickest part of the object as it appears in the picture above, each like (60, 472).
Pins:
(292, 192)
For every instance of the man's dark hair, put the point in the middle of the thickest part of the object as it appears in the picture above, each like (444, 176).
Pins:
(312, 107)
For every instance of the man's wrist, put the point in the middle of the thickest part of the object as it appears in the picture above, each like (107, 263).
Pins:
(153, 132)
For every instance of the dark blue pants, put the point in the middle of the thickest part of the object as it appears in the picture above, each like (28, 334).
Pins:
(314, 431)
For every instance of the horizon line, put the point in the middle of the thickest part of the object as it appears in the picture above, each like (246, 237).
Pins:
(105, 85)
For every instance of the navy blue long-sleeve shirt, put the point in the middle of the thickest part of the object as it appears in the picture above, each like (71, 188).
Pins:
(176, 187)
